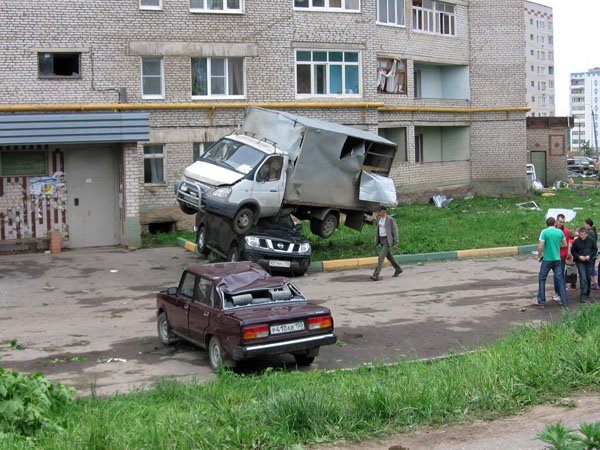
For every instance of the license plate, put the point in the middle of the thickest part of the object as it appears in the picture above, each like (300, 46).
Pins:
(287, 327)
(278, 263)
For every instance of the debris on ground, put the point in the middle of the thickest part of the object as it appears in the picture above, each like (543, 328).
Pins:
(568, 213)
(529, 205)
(441, 201)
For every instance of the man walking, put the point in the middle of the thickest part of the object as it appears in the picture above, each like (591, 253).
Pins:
(584, 251)
(551, 241)
(387, 237)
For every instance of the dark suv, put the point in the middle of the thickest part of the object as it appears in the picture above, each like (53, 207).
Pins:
(276, 246)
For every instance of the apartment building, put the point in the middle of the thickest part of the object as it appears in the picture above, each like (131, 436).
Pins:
(105, 102)
(539, 59)
(583, 105)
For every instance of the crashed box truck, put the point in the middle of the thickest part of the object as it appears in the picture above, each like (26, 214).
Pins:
(279, 163)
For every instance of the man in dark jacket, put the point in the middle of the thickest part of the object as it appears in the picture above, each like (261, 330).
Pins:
(386, 236)
(584, 251)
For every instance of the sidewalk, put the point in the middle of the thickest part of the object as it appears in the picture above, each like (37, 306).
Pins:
(370, 261)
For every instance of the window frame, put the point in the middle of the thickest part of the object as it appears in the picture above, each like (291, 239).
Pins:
(55, 76)
(432, 20)
(158, 7)
(160, 96)
(395, 23)
(327, 64)
(327, 8)
(224, 10)
(149, 156)
(209, 78)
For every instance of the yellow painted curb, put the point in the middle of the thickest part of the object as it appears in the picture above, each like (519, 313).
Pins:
(339, 264)
(487, 252)
(368, 261)
(190, 246)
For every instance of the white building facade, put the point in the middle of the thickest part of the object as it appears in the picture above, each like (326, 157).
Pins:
(99, 117)
(539, 59)
(583, 107)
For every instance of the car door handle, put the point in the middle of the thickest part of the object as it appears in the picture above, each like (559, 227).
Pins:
(206, 313)
(186, 306)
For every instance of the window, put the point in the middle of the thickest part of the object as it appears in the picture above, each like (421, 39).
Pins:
(550, 26)
(550, 40)
(229, 6)
(418, 148)
(530, 21)
(542, 85)
(533, 84)
(447, 81)
(152, 77)
(541, 70)
(532, 68)
(433, 16)
(150, 4)
(551, 70)
(551, 84)
(550, 56)
(154, 164)
(541, 40)
(531, 52)
(335, 5)
(531, 37)
(59, 65)
(270, 170)
(322, 72)
(552, 99)
(186, 289)
(222, 77)
(199, 148)
(204, 293)
(390, 12)
(24, 163)
(391, 75)
(533, 99)
(398, 136)
(541, 55)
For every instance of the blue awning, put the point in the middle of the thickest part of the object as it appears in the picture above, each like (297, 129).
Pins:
(17, 129)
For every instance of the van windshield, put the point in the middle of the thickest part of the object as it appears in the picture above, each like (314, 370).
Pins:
(237, 156)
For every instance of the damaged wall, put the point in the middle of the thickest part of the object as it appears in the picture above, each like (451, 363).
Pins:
(30, 206)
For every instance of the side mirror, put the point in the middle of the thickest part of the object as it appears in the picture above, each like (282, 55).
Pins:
(298, 227)
(172, 291)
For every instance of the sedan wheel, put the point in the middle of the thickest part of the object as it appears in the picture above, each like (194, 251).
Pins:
(215, 353)
(303, 360)
(166, 336)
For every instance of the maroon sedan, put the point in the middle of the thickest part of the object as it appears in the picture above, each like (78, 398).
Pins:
(238, 311)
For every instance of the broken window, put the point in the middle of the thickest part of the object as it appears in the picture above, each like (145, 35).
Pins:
(398, 136)
(441, 144)
(216, 5)
(154, 164)
(152, 77)
(433, 16)
(324, 72)
(62, 65)
(336, 5)
(218, 77)
(391, 75)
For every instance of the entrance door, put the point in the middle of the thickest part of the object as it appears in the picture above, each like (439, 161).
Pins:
(92, 196)
(538, 159)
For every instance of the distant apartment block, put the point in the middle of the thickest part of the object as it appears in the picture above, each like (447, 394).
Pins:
(584, 109)
(105, 102)
(539, 59)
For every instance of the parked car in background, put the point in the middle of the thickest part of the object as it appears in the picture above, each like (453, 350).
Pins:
(238, 311)
(581, 164)
(277, 246)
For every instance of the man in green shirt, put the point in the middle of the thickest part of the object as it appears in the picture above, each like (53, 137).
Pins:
(551, 241)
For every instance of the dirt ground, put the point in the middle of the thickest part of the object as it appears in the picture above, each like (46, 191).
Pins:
(86, 318)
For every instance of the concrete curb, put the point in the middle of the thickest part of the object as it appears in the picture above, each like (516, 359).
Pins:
(357, 263)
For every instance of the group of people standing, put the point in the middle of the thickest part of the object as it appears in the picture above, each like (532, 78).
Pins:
(556, 245)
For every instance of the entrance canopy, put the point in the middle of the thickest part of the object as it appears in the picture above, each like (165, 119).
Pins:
(75, 128)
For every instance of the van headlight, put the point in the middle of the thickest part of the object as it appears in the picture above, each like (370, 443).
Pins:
(223, 192)
(304, 247)
(252, 241)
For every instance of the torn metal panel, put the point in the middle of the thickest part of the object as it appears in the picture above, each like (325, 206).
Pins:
(377, 188)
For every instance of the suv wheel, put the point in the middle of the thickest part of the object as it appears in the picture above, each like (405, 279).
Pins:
(201, 240)
(234, 254)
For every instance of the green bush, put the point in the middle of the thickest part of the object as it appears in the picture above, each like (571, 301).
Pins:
(561, 437)
(30, 402)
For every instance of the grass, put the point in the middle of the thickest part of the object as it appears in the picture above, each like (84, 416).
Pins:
(466, 224)
(292, 409)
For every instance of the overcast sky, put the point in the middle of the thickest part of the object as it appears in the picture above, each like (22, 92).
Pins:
(576, 44)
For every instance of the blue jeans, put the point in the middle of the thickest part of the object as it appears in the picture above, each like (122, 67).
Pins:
(563, 268)
(585, 279)
(559, 281)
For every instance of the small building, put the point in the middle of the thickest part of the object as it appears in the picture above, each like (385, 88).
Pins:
(547, 139)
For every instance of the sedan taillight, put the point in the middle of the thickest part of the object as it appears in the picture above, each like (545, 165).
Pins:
(256, 332)
(315, 323)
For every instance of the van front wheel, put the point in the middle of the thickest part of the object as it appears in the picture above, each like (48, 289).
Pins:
(243, 220)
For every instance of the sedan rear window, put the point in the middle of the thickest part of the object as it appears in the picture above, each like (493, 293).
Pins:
(263, 296)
